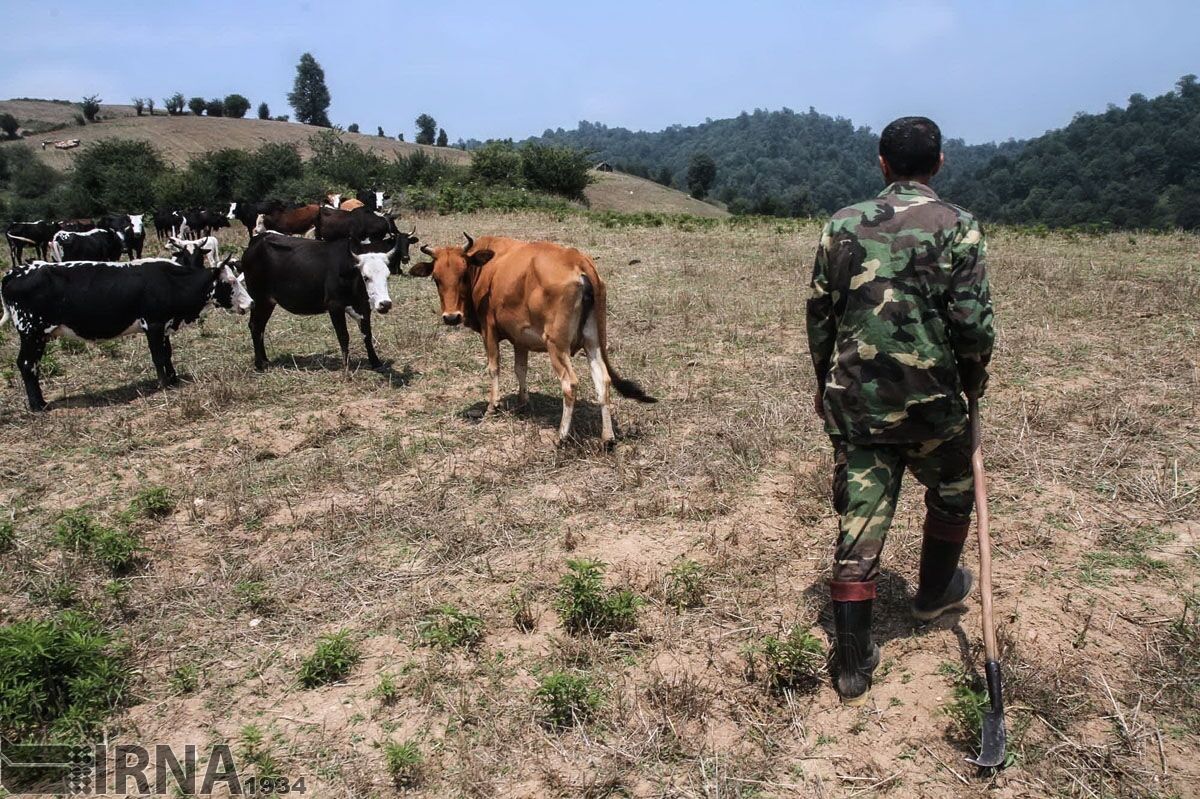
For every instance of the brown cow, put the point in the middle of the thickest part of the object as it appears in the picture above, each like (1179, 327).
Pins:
(293, 221)
(351, 204)
(540, 297)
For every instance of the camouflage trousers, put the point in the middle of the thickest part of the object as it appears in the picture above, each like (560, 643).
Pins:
(866, 485)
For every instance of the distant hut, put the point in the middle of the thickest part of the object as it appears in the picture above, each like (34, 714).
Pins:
(604, 166)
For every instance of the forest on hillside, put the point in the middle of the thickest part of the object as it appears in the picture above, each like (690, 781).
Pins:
(1137, 166)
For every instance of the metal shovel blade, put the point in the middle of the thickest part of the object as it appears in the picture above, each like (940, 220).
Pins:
(991, 751)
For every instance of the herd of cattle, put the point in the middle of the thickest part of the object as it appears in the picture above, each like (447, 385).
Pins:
(333, 257)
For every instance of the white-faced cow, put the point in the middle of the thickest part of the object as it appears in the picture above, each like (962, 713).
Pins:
(97, 244)
(309, 277)
(373, 200)
(209, 246)
(131, 228)
(539, 296)
(37, 235)
(97, 301)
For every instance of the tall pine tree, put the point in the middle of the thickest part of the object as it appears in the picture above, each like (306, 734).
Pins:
(426, 129)
(310, 96)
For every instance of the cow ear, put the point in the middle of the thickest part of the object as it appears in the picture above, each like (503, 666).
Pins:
(480, 257)
(422, 269)
(413, 239)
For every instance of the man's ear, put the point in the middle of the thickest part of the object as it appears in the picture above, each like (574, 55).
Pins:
(480, 257)
(422, 269)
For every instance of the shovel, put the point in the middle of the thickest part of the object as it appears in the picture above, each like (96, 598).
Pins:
(991, 750)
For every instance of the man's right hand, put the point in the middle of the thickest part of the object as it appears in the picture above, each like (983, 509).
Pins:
(974, 379)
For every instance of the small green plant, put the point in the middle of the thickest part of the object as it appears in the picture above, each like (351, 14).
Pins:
(336, 654)
(403, 762)
(153, 503)
(685, 585)
(386, 691)
(448, 627)
(967, 707)
(8, 535)
(586, 607)
(566, 699)
(520, 601)
(117, 549)
(110, 348)
(795, 661)
(254, 595)
(62, 594)
(72, 346)
(257, 752)
(185, 679)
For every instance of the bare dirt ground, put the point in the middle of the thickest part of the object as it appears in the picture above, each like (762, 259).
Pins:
(311, 501)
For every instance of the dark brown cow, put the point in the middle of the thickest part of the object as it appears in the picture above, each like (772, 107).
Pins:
(293, 221)
(539, 296)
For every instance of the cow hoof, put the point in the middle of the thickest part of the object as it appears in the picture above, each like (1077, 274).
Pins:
(42, 408)
(260, 367)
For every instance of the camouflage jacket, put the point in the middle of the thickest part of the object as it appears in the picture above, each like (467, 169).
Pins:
(899, 316)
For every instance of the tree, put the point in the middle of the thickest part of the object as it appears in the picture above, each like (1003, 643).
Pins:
(197, 105)
(309, 97)
(557, 170)
(139, 105)
(236, 106)
(497, 162)
(215, 107)
(91, 107)
(442, 139)
(174, 104)
(702, 171)
(426, 129)
(150, 105)
(353, 128)
(379, 132)
(9, 124)
(401, 137)
(664, 176)
(264, 111)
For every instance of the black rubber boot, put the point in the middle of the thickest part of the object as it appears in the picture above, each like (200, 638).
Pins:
(857, 656)
(944, 586)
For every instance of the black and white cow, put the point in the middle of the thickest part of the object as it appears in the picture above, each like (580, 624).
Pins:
(97, 301)
(247, 212)
(207, 245)
(373, 200)
(167, 224)
(203, 222)
(98, 244)
(29, 234)
(309, 277)
(132, 230)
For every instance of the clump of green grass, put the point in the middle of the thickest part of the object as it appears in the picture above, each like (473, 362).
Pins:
(795, 661)
(155, 502)
(585, 606)
(967, 706)
(404, 761)
(8, 535)
(115, 548)
(336, 654)
(254, 595)
(59, 678)
(72, 346)
(257, 751)
(448, 627)
(386, 691)
(566, 699)
(685, 585)
(185, 679)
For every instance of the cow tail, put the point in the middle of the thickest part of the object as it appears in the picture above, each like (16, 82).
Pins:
(594, 301)
(5, 316)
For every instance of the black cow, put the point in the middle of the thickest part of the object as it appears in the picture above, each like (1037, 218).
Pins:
(81, 225)
(97, 301)
(29, 234)
(371, 200)
(405, 240)
(359, 225)
(167, 224)
(248, 212)
(309, 277)
(131, 228)
(98, 244)
(202, 222)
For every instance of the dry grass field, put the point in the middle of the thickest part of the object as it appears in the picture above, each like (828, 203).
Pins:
(307, 501)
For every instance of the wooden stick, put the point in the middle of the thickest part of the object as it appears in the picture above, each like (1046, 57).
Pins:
(991, 650)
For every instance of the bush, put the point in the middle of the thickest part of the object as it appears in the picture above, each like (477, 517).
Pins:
(421, 168)
(585, 606)
(117, 174)
(153, 503)
(221, 172)
(403, 762)
(566, 699)
(333, 659)
(497, 162)
(236, 106)
(794, 661)
(59, 679)
(307, 188)
(264, 111)
(177, 188)
(31, 177)
(215, 107)
(268, 167)
(174, 104)
(90, 107)
(115, 548)
(353, 128)
(9, 124)
(685, 585)
(448, 627)
(556, 170)
(197, 105)
(139, 105)
(341, 163)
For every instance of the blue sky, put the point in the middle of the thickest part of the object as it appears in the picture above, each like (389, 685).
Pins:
(984, 70)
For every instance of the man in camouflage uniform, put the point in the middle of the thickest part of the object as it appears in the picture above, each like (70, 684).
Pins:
(899, 326)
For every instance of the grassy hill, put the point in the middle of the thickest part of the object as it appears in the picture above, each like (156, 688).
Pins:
(183, 137)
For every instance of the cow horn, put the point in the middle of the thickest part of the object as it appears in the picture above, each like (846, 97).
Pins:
(470, 242)
(425, 248)
(411, 232)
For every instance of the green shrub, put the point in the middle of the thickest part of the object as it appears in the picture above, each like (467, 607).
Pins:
(254, 595)
(236, 106)
(72, 346)
(117, 173)
(185, 679)
(197, 105)
(342, 163)
(59, 679)
(257, 752)
(215, 107)
(497, 162)
(403, 762)
(116, 549)
(584, 606)
(220, 172)
(685, 585)
(386, 691)
(335, 656)
(9, 124)
(448, 627)
(566, 699)
(556, 170)
(91, 107)
(153, 502)
(795, 661)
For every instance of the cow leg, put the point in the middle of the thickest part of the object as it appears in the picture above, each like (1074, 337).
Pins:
(491, 343)
(364, 325)
(338, 318)
(600, 378)
(560, 359)
(259, 316)
(168, 352)
(29, 358)
(521, 367)
(160, 353)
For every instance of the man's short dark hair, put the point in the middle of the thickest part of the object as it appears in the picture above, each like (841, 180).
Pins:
(911, 146)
